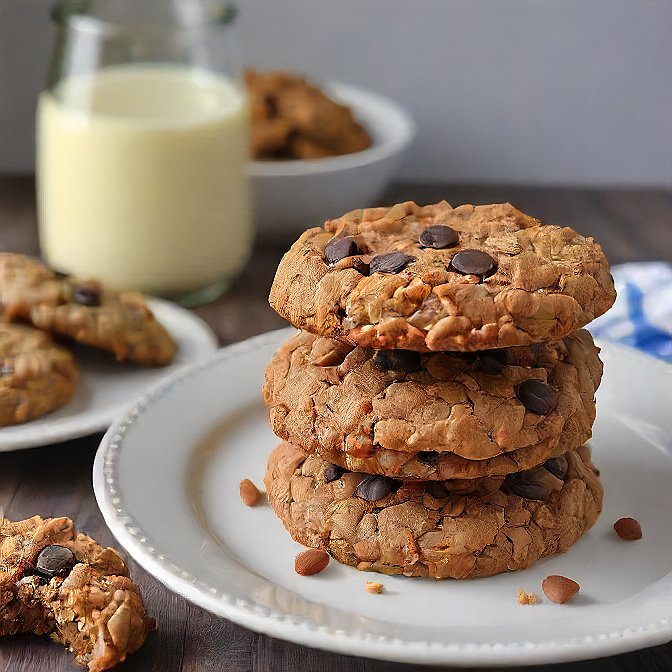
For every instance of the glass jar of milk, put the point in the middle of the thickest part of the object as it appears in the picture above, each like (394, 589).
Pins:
(142, 147)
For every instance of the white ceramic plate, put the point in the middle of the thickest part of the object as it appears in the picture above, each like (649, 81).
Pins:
(166, 479)
(105, 387)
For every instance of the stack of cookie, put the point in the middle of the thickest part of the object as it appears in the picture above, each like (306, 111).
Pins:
(436, 405)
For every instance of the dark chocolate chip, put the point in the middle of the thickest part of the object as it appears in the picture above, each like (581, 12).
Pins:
(537, 396)
(437, 489)
(524, 484)
(332, 472)
(87, 294)
(54, 561)
(340, 248)
(393, 484)
(373, 488)
(430, 458)
(405, 361)
(438, 237)
(271, 107)
(557, 466)
(490, 363)
(31, 578)
(360, 265)
(474, 262)
(391, 262)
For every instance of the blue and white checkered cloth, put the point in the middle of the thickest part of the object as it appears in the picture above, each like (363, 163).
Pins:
(642, 314)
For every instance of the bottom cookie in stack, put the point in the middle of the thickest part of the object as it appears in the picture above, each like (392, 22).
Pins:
(441, 529)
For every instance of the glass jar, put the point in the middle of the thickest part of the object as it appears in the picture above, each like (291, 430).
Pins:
(143, 136)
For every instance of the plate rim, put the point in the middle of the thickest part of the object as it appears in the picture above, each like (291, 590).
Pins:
(279, 624)
(99, 421)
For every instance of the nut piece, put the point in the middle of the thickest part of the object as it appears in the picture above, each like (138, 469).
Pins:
(249, 493)
(374, 587)
(310, 562)
(628, 529)
(527, 598)
(559, 589)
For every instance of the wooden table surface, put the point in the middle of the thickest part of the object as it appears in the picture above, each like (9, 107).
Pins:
(56, 480)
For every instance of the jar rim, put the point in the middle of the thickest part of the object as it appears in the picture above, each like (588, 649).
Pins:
(75, 12)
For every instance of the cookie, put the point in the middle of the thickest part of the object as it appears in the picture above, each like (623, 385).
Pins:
(440, 278)
(36, 375)
(119, 322)
(433, 416)
(293, 119)
(435, 529)
(55, 581)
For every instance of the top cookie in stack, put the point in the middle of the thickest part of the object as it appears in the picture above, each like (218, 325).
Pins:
(433, 278)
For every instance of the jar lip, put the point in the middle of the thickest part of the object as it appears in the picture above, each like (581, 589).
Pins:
(75, 12)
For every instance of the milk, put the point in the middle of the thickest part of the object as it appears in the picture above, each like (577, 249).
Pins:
(141, 178)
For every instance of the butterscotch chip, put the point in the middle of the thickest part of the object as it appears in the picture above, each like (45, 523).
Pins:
(449, 529)
(527, 598)
(119, 322)
(628, 529)
(249, 493)
(310, 562)
(434, 416)
(56, 581)
(559, 589)
(374, 587)
(508, 280)
(36, 375)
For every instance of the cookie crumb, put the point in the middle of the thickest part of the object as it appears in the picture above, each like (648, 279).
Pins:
(527, 598)
(249, 493)
(628, 529)
(374, 587)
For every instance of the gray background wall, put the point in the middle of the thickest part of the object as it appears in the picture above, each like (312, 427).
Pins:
(515, 91)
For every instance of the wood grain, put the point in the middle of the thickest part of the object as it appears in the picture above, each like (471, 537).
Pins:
(56, 480)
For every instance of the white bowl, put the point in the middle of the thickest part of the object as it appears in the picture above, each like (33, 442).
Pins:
(290, 196)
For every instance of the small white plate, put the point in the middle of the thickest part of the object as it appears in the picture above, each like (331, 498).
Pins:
(105, 387)
(166, 479)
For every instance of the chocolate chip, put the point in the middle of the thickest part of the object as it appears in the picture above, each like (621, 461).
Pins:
(537, 396)
(393, 484)
(437, 489)
(373, 488)
(360, 265)
(6, 368)
(430, 458)
(391, 262)
(331, 472)
(474, 262)
(490, 363)
(557, 466)
(524, 484)
(438, 237)
(271, 107)
(35, 580)
(340, 248)
(54, 561)
(87, 294)
(405, 361)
